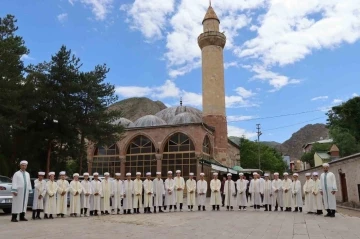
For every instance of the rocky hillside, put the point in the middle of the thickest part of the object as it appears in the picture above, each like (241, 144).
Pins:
(273, 144)
(134, 108)
(307, 134)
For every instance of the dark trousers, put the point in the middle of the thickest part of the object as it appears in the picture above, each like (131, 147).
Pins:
(223, 199)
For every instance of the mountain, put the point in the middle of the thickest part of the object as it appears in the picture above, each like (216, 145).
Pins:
(308, 133)
(136, 107)
(272, 144)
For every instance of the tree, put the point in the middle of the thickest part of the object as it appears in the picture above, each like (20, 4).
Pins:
(270, 159)
(316, 147)
(345, 141)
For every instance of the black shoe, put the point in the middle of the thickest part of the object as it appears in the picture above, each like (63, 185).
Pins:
(282, 209)
(14, 218)
(270, 208)
(51, 217)
(332, 213)
(149, 210)
(276, 209)
(124, 212)
(62, 215)
(204, 208)
(300, 209)
(46, 216)
(296, 209)
(91, 213)
(22, 217)
(145, 209)
(218, 207)
(33, 214)
(38, 214)
(137, 210)
(81, 211)
(96, 213)
(129, 211)
(160, 210)
(213, 207)
(266, 208)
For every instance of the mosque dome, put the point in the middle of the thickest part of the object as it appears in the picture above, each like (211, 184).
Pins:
(186, 118)
(192, 115)
(124, 122)
(149, 120)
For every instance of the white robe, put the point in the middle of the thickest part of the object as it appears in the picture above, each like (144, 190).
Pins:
(95, 199)
(50, 198)
(277, 195)
(241, 186)
(317, 198)
(118, 191)
(39, 189)
(159, 192)
(327, 185)
(215, 198)
(191, 192)
(286, 184)
(75, 205)
(179, 194)
(262, 181)
(148, 188)
(137, 191)
(201, 191)
(296, 194)
(22, 186)
(63, 186)
(256, 189)
(230, 193)
(85, 200)
(128, 194)
(268, 192)
(169, 192)
(309, 197)
(106, 187)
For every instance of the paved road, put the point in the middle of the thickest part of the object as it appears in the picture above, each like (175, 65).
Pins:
(223, 224)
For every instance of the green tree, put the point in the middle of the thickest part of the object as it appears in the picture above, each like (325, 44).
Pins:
(345, 141)
(317, 147)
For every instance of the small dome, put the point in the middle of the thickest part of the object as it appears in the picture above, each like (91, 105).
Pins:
(124, 122)
(186, 118)
(149, 120)
(169, 114)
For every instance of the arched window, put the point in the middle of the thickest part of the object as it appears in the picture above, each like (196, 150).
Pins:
(106, 159)
(140, 157)
(206, 147)
(179, 154)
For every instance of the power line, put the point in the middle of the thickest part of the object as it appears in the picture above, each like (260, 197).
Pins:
(285, 126)
(278, 116)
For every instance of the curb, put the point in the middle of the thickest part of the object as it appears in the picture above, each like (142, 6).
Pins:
(349, 208)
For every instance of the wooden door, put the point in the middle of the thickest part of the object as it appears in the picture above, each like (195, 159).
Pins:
(343, 187)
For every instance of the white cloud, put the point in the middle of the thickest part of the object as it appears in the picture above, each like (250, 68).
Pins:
(230, 64)
(337, 101)
(235, 118)
(320, 98)
(100, 8)
(244, 92)
(62, 17)
(239, 132)
(169, 90)
(354, 95)
(26, 57)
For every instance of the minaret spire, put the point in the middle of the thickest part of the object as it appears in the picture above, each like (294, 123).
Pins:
(210, 3)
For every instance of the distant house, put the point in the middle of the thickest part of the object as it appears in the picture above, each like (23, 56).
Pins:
(297, 165)
(308, 146)
(325, 157)
(286, 159)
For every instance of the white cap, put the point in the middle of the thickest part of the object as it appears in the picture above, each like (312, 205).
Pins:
(138, 173)
(76, 175)
(191, 174)
(117, 174)
(169, 172)
(215, 174)
(41, 173)
(255, 173)
(158, 173)
(86, 174)
(24, 162)
(266, 175)
(106, 174)
(148, 174)
(62, 173)
(315, 174)
(51, 173)
(95, 174)
(241, 174)
(229, 174)
(178, 171)
(202, 174)
(128, 174)
(296, 175)
(307, 174)
(276, 174)
(285, 174)
(326, 165)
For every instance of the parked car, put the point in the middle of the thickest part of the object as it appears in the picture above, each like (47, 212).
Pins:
(5, 194)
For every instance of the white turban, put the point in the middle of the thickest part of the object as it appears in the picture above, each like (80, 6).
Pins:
(178, 171)
(106, 174)
(95, 174)
(24, 162)
(158, 173)
(86, 174)
(169, 172)
(241, 174)
(148, 174)
(76, 175)
(276, 174)
(128, 174)
(315, 173)
(202, 174)
(51, 173)
(41, 173)
(255, 173)
(215, 174)
(266, 175)
(295, 175)
(307, 174)
(229, 174)
(117, 174)
(62, 173)
(326, 165)
(285, 174)
(138, 173)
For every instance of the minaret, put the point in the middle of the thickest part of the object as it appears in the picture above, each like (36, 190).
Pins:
(212, 43)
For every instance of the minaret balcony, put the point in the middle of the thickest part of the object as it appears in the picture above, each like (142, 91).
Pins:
(212, 38)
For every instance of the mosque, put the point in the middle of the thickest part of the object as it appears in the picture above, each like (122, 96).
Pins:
(179, 137)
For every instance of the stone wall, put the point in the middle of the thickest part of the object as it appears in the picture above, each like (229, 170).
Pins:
(350, 166)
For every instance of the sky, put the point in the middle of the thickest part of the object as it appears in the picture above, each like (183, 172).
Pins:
(286, 61)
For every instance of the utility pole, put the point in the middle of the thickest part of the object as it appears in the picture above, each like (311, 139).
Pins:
(258, 140)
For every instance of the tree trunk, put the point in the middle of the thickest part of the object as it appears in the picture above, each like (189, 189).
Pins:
(82, 142)
(48, 159)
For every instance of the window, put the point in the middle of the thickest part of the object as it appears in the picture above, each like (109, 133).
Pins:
(140, 157)
(206, 148)
(106, 159)
(179, 154)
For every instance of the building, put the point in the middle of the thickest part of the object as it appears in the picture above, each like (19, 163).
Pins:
(286, 159)
(325, 157)
(179, 137)
(307, 147)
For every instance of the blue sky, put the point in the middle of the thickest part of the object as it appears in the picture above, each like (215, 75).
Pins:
(282, 56)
